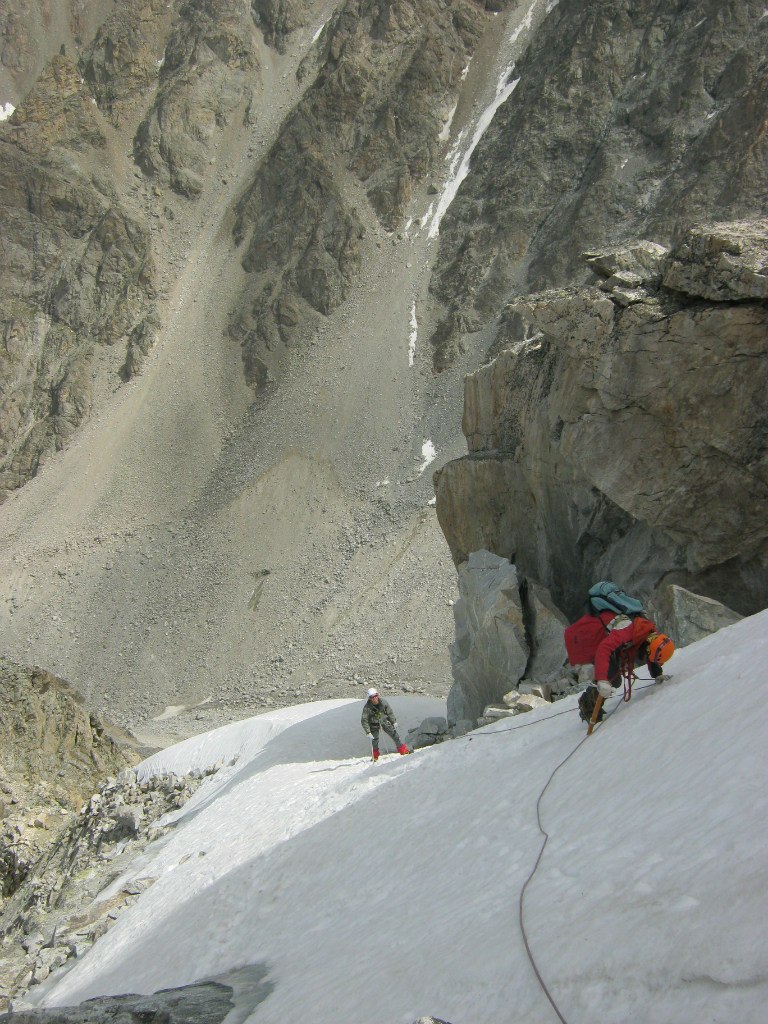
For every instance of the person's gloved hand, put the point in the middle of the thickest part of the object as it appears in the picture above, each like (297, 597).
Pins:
(395, 725)
(604, 688)
(368, 735)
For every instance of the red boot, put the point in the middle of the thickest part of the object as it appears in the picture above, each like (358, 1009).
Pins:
(375, 754)
(402, 749)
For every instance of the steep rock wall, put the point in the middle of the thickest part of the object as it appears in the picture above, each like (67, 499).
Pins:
(78, 269)
(366, 132)
(621, 432)
(629, 119)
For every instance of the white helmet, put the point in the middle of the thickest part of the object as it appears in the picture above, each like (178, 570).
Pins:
(373, 693)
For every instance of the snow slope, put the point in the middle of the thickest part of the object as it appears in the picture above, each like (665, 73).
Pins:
(375, 893)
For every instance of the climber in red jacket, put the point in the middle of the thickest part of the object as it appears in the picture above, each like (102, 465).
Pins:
(627, 642)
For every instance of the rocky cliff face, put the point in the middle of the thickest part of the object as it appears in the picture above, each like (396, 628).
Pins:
(620, 430)
(629, 120)
(382, 87)
(78, 269)
(53, 755)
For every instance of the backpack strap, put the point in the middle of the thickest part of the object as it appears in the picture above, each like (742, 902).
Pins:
(619, 621)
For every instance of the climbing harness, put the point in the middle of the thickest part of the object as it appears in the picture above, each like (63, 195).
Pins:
(627, 668)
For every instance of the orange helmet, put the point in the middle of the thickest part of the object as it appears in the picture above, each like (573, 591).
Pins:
(660, 648)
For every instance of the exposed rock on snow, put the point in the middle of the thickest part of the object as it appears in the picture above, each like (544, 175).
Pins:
(60, 906)
(205, 1002)
(428, 732)
(506, 629)
(688, 617)
(545, 624)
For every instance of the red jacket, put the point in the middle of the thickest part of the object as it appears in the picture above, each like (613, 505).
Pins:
(614, 639)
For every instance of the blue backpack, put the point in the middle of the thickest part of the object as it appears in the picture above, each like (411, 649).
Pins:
(608, 597)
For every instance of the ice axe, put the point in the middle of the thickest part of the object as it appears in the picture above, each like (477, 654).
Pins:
(595, 714)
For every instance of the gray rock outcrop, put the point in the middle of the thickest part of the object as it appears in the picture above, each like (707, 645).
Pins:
(689, 617)
(621, 435)
(278, 19)
(203, 1002)
(545, 626)
(508, 631)
(490, 651)
(208, 70)
(722, 263)
(60, 908)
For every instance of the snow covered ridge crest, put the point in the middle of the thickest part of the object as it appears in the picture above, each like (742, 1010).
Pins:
(341, 877)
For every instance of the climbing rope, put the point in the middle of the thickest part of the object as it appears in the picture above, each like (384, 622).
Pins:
(544, 833)
(527, 882)
(627, 668)
(536, 721)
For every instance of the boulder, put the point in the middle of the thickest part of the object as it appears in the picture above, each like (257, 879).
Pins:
(496, 711)
(545, 624)
(529, 701)
(565, 684)
(688, 617)
(428, 732)
(640, 263)
(543, 690)
(721, 262)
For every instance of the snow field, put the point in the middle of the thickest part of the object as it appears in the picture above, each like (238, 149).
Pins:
(391, 891)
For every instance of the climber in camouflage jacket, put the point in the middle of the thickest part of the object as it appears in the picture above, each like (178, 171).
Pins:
(378, 714)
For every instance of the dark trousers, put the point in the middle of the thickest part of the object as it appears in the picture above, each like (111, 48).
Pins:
(390, 731)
